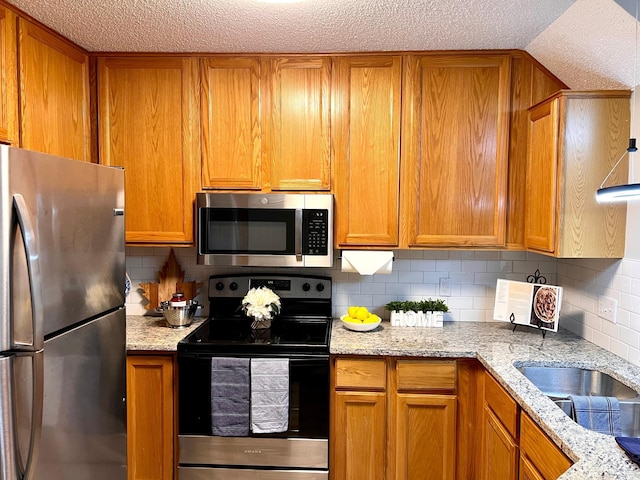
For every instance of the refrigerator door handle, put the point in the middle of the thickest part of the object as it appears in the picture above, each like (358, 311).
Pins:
(8, 451)
(31, 249)
(36, 415)
(10, 468)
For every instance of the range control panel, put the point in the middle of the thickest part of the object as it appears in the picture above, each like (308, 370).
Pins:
(311, 287)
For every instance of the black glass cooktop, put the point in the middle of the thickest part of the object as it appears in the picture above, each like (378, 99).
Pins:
(235, 336)
(303, 325)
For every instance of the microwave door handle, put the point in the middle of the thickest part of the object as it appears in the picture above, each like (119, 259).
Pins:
(31, 250)
(298, 234)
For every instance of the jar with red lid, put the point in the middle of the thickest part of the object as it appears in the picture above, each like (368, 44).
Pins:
(178, 300)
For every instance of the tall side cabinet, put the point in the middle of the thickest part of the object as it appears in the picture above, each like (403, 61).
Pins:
(366, 143)
(9, 76)
(575, 138)
(54, 94)
(455, 135)
(149, 124)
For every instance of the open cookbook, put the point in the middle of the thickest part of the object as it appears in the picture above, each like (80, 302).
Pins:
(532, 304)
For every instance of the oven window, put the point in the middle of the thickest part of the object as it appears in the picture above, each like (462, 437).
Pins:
(248, 231)
(308, 397)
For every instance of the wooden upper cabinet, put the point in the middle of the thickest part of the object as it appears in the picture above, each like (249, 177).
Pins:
(575, 138)
(9, 75)
(296, 107)
(149, 124)
(366, 143)
(231, 127)
(266, 123)
(455, 150)
(530, 84)
(54, 94)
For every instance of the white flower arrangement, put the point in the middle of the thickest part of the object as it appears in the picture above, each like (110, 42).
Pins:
(261, 304)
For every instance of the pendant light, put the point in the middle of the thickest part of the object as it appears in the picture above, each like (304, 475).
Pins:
(630, 191)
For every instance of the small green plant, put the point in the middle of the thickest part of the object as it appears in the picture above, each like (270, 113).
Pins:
(417, 306)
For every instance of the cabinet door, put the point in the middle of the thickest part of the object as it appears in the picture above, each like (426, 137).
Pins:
(366, 142)
(542, 174)
(54, 94)
(149, 125)
(500, 455)
(528, 471)
(358, 436)
(231, 124)
(540, 451)
(455, 150)
(9, 75)
(150, 417)
(296, 133)
(530, 84)
(425, 437)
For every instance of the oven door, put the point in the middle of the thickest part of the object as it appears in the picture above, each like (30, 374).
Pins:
(303, 446)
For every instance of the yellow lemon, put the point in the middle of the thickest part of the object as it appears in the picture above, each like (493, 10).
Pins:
(352, 319)
(372, 319)
(362, 313)
(352, 311)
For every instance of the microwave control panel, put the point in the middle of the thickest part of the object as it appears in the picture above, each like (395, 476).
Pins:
(315, 232)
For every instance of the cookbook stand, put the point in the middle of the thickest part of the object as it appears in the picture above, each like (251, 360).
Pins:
(512, 319)
(535, 278)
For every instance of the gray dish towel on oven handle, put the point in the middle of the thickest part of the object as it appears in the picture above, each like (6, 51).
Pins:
(269, 395)
(230, 396)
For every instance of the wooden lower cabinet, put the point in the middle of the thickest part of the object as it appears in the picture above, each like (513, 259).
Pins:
(513, 446)
(151, 431)
(359, 438)
(500, 450)
(393, 419)
(425, 437)
(542, 458)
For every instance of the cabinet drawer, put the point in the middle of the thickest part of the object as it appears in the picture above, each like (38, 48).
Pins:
(367, 373)
(545, 456)
(426, 375)
(503, 406)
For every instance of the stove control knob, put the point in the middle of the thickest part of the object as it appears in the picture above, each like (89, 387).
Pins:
(219, 286)
(306, 287)
(233, 286)
(320, 287)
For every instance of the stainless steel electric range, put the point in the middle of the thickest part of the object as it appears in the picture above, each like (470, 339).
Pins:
(300, 334)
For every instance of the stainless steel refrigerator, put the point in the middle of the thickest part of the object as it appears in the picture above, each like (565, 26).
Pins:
(62, 319)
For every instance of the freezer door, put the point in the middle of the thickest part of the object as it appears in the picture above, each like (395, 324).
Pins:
(84, 420)
(76, 211)
(21, 394)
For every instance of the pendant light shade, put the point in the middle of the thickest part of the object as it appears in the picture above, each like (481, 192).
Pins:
(620, 193)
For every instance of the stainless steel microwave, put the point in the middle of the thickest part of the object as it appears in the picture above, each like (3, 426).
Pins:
(265, 230)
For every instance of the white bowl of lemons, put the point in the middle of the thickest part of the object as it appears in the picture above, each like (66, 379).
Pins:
(359, 319)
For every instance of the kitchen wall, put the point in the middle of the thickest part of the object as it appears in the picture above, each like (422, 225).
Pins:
(472, 275)
(415, 275)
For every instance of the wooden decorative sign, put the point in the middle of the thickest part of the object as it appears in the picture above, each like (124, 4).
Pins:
(171, 280)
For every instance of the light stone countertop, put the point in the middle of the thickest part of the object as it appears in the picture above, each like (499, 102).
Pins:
(152, 334)
(499, 348)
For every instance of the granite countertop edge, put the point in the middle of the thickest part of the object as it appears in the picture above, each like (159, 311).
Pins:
(501, 349)
(497, 347)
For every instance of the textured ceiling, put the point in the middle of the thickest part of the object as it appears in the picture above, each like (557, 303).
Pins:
(310, 26)
(586, 43)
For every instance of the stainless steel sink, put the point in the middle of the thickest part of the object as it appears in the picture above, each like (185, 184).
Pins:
(563, 381)
(558, 383)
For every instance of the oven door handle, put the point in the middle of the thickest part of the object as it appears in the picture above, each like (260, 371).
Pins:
(298, 234)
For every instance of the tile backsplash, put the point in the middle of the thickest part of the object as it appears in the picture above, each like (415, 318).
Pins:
(472, 278)
(415, 275)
